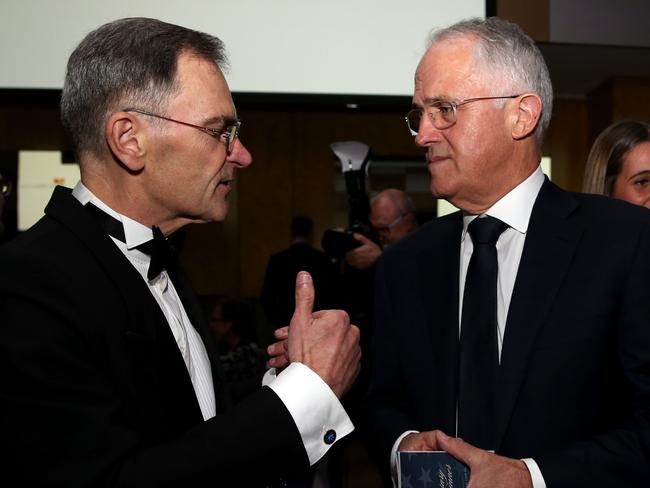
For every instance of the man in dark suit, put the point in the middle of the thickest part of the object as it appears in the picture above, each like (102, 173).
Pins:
(108, 375)
(277, 295)
(562, 394)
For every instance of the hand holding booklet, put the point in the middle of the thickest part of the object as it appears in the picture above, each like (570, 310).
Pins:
(432, 469)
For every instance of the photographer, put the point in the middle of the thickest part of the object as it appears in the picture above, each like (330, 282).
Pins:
(392, 216)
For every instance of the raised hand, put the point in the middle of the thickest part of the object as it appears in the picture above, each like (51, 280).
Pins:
(325, 341)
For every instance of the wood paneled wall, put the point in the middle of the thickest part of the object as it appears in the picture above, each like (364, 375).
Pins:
(293, 172)
(294, 169)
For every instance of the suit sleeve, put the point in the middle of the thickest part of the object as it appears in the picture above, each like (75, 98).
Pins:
(68, 417)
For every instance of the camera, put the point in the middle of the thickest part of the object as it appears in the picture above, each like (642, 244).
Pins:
(354, 159)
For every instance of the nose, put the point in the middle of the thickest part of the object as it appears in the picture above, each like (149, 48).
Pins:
(427, 133)
(239, 156)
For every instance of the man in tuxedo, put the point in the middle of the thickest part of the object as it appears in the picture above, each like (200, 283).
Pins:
(519, 324)
(108, 374)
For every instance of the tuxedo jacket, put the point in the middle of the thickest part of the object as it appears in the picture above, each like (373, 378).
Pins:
(573, 388)
(93, 388)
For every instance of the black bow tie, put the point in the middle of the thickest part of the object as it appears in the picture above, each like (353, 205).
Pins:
(157, 248)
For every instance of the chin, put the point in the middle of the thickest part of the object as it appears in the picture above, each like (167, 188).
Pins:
(438, 192)
(219, 214)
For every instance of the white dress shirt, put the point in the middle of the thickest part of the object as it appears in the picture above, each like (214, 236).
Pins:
(514, 209)
(312, 404)
(161, 287)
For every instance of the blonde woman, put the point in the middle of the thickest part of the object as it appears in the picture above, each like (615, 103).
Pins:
(619, 163)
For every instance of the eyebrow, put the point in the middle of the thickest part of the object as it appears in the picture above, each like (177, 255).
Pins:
(639, 173)
(224, 120)
(431, 101)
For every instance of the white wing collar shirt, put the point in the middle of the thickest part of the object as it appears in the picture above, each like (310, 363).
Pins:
(161, 287)
(317, 412)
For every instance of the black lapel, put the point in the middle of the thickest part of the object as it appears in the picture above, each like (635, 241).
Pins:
(550, 244)
(67, 210)
(440, 297)
(147, 326)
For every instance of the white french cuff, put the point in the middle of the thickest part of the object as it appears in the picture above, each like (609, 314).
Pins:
(317, 412)
(535, 473)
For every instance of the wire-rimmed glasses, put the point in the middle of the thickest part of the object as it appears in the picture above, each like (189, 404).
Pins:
(442, 113)
(228, 135)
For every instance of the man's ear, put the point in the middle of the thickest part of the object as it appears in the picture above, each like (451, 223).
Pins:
(528, 114)
(126, 139)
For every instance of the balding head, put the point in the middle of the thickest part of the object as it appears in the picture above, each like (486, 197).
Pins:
(392, 214)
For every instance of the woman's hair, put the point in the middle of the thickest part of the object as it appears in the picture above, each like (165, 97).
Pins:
(605, 159)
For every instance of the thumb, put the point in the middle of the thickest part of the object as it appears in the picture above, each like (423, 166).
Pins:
(458, 448)
(304, 298)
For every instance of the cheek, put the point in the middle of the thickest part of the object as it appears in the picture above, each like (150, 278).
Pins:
(466, 144)
(628, 193)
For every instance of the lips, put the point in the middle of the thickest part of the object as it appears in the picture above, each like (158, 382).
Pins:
(435, 159)
(227, 180)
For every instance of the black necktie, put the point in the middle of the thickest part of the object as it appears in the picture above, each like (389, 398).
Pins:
(479, 356)
(157, 248)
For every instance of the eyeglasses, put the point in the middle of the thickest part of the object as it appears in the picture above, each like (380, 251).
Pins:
(5, 186)
(228, 135)
(441, 113)
(386, 229)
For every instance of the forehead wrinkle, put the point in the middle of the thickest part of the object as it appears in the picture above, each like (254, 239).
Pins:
(460, 71)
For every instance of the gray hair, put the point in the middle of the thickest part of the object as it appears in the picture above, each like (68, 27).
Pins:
(505, 50)
(402, 201)
(128, 62)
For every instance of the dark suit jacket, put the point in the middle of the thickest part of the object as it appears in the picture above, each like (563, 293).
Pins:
(574, 382)
(93, 389)
(278, 289)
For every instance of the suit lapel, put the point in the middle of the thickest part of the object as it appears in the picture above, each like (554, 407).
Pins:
(64, 208)
(441, 305)
(550, 244)
(147, 326)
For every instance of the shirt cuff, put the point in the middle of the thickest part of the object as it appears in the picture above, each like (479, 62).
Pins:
(269, 377)
(535, 473)
(317, 412)
(393, 454)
